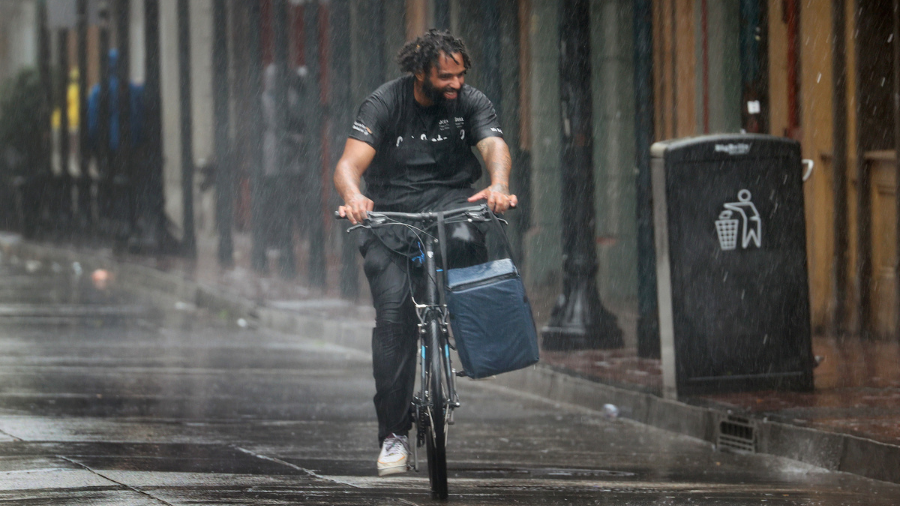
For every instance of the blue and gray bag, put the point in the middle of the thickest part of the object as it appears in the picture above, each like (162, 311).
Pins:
(490, 315)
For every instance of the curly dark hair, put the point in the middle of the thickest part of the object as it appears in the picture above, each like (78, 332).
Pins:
(420, 54)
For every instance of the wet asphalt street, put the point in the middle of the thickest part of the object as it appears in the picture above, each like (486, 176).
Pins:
(107, 400)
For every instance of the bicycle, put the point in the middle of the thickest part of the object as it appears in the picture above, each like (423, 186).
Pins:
(433, 405)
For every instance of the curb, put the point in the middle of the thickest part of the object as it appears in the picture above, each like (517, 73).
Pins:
(829, 450)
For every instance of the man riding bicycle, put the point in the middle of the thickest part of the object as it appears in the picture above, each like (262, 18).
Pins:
(412, 144)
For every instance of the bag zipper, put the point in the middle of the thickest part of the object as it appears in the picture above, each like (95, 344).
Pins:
(483, 282)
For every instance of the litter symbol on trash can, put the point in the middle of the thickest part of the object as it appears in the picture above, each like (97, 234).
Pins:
(728, 224)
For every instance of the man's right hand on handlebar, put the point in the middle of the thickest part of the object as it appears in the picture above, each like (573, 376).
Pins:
(355, 208)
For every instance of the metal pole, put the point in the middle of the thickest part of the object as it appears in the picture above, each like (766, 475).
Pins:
(43, 172)
(521, 183)
(85, 213)
(224, 165)
(103, 124)
(754, 65)
(839, 166)
(46, 89)
(341, 116)
(896, 63)
(648, 316)
(863, 306)
(124, 170)
(64, 181)
(254, 78)
(317, 266)
(150, 184)
(579, 319)
(188, 241)
(282, 216)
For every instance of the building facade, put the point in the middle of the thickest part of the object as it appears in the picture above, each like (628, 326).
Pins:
(818, 72)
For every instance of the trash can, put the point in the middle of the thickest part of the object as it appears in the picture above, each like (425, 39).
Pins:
(730, 241)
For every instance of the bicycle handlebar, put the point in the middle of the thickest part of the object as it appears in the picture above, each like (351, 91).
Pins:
(378, 217)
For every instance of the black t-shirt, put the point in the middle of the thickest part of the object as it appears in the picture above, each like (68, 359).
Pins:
(422, 154)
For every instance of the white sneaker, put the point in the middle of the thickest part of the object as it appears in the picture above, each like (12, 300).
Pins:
(394, 453)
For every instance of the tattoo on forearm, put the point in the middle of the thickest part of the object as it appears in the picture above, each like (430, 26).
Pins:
(498, 163)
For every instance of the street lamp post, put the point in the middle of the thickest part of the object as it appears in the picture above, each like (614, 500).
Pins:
(648, 319)
(579, 319)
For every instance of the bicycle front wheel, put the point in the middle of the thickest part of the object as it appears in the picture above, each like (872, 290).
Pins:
(436, 437)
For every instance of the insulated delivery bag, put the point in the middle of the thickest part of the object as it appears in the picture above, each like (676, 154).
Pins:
(490, 314)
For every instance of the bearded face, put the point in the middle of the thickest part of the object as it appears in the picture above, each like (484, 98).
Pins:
(435, 94)
(444, 79)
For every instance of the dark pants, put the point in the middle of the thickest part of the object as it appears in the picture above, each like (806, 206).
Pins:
(394, 337)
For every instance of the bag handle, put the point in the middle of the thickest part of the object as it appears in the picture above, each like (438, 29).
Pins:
(506, 244)
(442, 236)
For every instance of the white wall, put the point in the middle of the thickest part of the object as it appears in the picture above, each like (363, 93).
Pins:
(18, 37)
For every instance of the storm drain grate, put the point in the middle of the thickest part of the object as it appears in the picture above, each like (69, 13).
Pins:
(735, 433)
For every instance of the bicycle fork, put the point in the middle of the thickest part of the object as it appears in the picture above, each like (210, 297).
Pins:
(423, 403)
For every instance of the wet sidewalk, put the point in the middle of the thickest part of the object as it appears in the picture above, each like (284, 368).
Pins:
(857, 387)
(851, 422)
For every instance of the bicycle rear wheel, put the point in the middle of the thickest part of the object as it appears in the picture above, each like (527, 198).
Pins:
(436, 437)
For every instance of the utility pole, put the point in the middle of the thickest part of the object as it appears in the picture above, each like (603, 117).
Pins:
(579, 319)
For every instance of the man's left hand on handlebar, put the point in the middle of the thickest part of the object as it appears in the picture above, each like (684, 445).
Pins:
(498, 198)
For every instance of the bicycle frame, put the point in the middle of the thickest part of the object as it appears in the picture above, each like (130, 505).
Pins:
(436, 399)
(432, 310)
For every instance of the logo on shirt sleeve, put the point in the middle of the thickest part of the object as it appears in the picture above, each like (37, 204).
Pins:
(359, 127)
